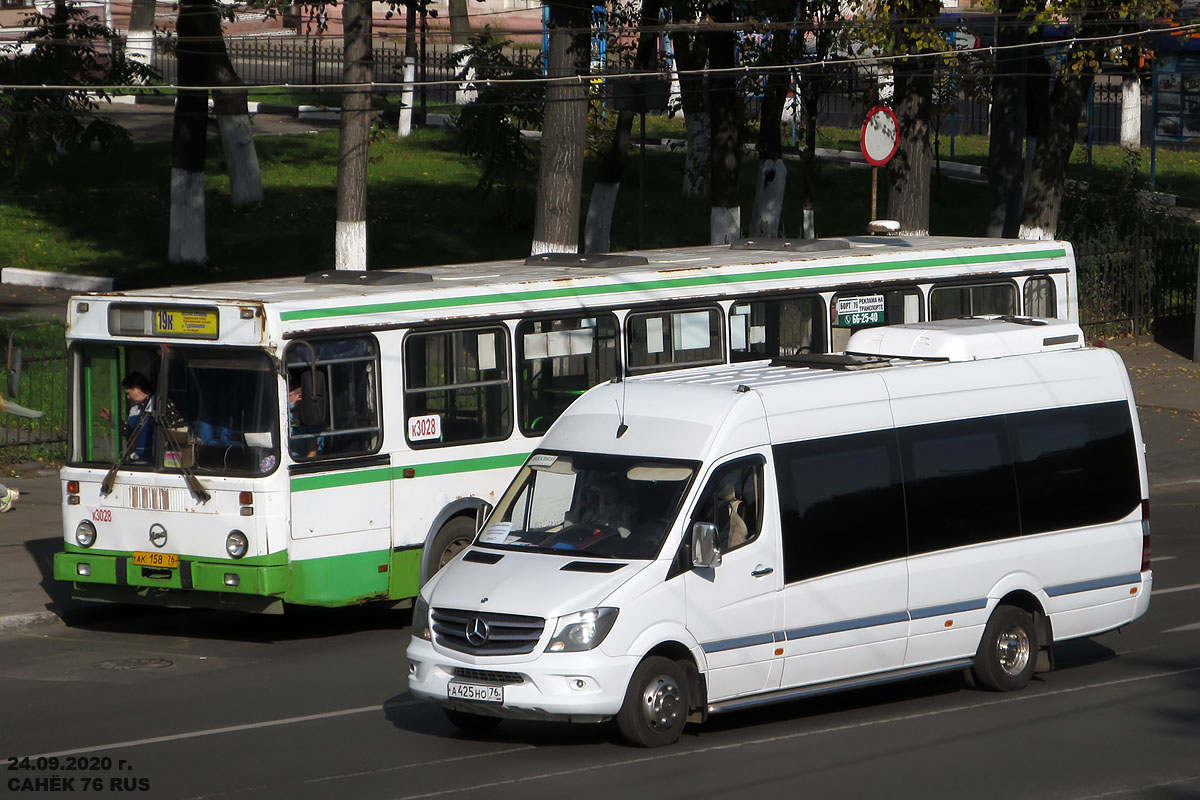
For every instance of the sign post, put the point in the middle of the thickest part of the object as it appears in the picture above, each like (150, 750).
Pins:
(880, 139)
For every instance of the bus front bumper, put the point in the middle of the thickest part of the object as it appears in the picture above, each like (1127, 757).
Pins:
(93, 569)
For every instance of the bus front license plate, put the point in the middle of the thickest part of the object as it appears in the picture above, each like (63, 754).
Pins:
(474, 691)
(160, 560)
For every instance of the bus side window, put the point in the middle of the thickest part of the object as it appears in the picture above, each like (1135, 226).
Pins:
(559, 360)
(1039, 297)
(457, 386)
(950, 302)
(776, 327)
(352, 426)
(686, 337)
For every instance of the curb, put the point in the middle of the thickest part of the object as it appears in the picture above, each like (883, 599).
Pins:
(16, 622)
(19, 276)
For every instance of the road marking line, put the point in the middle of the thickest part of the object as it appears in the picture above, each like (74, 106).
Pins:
(1138, 790)
(1162, 558)
(1176, 589)
(799, 735)
(174, 737)
(1195, 626)
(421, 764)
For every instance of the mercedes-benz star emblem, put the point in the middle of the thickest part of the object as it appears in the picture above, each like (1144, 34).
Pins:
(477, 631)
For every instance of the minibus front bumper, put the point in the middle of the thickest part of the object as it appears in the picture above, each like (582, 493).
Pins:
(566, 687)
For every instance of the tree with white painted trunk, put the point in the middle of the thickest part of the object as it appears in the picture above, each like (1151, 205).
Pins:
(767, 217)
(1005, 171)
(725, 111)
(187, 243)
(350, 241)
(609, 173)
(560, 173)
(691, 54)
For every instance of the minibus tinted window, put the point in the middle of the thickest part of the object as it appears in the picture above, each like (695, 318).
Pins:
(959, 486)
(841, 503)
(1075, 466)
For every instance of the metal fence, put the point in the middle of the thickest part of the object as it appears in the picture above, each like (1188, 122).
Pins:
(42, 390)
(314, 60)
(1149, 284)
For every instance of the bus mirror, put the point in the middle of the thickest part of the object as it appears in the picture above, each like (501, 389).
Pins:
(312, 398)
(705, 552)
(14, 371)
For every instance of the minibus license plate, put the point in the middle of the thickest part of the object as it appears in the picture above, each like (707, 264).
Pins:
(474, 691)
(166, 560)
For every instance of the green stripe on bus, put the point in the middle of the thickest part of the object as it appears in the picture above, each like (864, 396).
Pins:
(665, 283)
(335, 480)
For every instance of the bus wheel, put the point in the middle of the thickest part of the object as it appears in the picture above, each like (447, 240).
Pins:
(454, 537)
(1008, 652)
(656, 704)
(471, 724)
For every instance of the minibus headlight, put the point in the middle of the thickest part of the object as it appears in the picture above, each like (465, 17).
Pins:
(420, 621)
(582, 630)
(85, 534)
(236, 544)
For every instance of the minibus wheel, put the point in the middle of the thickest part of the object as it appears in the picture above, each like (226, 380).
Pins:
(1008, 653)
(454, 537)
(471, 724)
(656, 703)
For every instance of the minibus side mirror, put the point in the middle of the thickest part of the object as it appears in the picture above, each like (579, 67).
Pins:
(312, 400)
(705, 552)
(14, 371)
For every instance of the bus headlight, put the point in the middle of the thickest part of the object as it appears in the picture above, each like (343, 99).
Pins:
(85, 534)
(582, 630)
(236, 544)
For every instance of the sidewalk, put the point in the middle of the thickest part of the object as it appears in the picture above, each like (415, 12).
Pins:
(31, 533)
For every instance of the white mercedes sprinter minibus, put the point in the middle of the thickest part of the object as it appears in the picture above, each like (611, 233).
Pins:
(955, 495)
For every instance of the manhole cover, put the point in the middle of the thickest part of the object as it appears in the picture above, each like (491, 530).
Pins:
(134, 663)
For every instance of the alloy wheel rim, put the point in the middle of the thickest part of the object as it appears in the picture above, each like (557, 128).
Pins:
(1012, 646)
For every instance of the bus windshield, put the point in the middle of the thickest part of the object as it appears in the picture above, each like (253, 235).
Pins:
(588, 504)
(208, 410)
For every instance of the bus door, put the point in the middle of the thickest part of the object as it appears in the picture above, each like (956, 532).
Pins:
(340, 544)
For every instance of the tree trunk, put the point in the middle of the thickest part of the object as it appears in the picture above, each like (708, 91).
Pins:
(772, 173)
(1131, 109)
(232, 112)
(1047, 179)
(350, 241)
(690, 55)
(560, 176)
(1005, 167)
(602, 202)
(724, 109)
(186, 240)
(909, 169)
(139, 43)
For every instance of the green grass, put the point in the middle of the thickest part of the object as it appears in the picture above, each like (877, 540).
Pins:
(109, 216)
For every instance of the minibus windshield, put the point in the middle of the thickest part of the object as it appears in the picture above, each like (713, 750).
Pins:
(582, 503)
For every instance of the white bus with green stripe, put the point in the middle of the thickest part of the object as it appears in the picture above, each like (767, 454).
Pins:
(424, 389)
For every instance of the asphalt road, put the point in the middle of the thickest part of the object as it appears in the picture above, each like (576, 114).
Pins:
(314, 704)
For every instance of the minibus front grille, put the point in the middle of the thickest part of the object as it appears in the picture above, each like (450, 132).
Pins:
(488, 676)
(486, 633)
